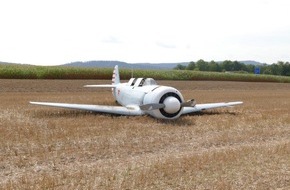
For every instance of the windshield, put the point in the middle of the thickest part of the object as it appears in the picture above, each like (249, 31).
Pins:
(149, 81)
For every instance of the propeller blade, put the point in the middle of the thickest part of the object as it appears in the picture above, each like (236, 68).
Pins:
(149, 107)
(189, 103)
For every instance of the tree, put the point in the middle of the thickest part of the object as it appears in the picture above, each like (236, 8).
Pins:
(227, 65)
(276, 69)
(286, 69)
(191, 66)
(180, 67)
(279, 68)
(237, 66)
(202, 65)
(267, 71)
(250, 68)
(213, 66)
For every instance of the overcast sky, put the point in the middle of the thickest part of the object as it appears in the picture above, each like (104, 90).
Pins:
(51, 32)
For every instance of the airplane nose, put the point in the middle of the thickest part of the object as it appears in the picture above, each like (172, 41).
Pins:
(172, 105)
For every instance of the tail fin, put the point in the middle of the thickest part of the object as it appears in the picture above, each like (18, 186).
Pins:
(116, 76)
(115, 80)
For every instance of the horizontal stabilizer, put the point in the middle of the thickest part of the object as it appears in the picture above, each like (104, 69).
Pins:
(101, 86)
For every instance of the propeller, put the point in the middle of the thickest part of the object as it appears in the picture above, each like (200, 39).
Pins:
(189, 103)
(149, 107)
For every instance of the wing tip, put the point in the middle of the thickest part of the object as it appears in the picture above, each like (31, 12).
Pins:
(235, 103)
(31, 102)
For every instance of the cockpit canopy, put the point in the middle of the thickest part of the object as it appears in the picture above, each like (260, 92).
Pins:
(141, 82)
(149, 81)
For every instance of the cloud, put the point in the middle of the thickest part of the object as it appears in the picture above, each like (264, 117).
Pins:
(111, 39)
(165, 45)
(139, 31)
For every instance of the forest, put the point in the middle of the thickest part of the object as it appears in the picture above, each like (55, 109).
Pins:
(280, 68)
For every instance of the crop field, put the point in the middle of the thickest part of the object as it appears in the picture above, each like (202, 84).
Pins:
(12, 71)
(245, 147)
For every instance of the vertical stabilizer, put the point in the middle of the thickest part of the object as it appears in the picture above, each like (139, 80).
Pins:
(116, 76)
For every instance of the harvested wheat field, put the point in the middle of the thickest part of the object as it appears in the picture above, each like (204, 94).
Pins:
(245, 147)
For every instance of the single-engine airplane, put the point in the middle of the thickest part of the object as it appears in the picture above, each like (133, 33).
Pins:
(140, 96)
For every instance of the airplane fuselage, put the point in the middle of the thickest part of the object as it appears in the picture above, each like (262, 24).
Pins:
(143, 91)
(130, 95)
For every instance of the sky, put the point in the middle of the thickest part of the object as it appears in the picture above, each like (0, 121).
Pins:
(53, 32)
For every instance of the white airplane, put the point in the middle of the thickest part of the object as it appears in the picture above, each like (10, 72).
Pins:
(140, 96)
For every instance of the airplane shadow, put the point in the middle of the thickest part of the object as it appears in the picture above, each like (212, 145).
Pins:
(188, 119)
(63, 113)
(226, 112)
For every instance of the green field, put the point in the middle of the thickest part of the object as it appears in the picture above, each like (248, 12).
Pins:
(8, 71)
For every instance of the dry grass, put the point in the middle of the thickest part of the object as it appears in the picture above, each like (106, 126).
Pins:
(246, 147)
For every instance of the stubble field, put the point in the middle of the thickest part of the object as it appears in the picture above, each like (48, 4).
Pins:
(245, 147)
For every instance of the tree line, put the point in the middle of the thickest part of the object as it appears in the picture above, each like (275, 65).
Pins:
(280, 68)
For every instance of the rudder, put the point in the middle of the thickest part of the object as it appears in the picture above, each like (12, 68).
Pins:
(116, 76)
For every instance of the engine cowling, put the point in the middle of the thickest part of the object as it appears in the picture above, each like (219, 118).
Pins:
(170, 97)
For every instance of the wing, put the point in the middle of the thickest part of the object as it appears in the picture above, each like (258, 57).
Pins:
(129, 110)
(201, 107)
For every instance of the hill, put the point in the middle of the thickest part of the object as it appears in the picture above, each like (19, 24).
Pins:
(251, 62)
(149, 66)
(111, 64)
(3, 63)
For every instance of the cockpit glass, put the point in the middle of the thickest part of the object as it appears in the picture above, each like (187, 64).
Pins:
(149, 81)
